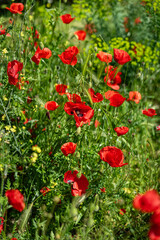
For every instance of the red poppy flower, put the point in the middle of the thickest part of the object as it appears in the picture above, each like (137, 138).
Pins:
(134, 96)
(36, 33)
(137, 20)
(97, 123)
(29, 100)
(121, 130)
(150, 112)
(12, 71)
(74, 98)
(82, 113)
(126, 19)
(69, 56)
(45, 190)
(3, 32)
(16, 199)
(143, 3)
(70, 177)
(61, 88)
(109, 94)
(44, 53)
(158, 128)
(16, 8)
(147, 202)
(155, 219)
(104, 57)
(122, 211)
(116, 100)
(81, 35)
(27, 120)
(95, 97)
(66, 18)
(90, 28)
(51, 106)
(68, 148)
(80, 185)
(1, 224)
(113, 156)
(121, 56)
(154, 232)
(14, 239)
(103, 189)
(113, 78)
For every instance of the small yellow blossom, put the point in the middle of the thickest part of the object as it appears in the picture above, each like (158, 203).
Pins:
(22, 34)
(13, 129)
(127, 190)
(5, 99)
(3, 117)
(24, 129)
(1, 167)
(30, 17)
(53, 184)
(7, 128)
(4, 51)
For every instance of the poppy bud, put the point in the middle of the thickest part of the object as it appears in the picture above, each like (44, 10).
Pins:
(48, 115)
(56, 199)
(90, 222)
(90, 85)
(74, 212)
(58, 236)
(96, 208)
(90, 64)
(78, 130)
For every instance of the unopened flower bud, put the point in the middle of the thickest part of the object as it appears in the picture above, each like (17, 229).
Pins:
(78, 130)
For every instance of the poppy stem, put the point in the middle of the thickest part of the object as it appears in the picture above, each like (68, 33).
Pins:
(118, 69)
(100, 70)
